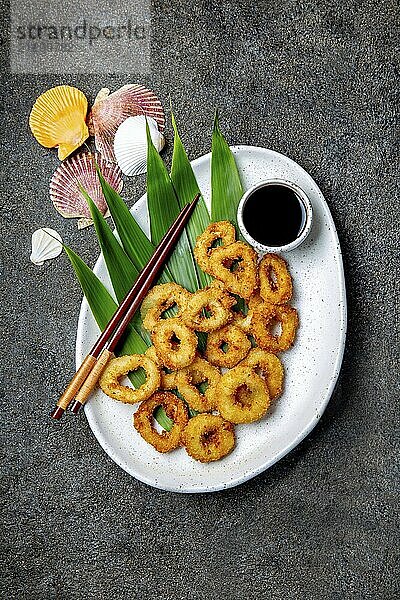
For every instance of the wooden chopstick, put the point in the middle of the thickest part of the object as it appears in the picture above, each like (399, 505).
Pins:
(93, 365)
(139, 291)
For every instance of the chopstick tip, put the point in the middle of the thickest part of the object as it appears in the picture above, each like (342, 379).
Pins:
(75, 408)
(57, 413)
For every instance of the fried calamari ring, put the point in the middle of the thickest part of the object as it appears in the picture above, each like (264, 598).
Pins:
(118, 367)
(254, 301)
(189, 392)
(205, 243)
(190, 378)
(159, 299)
(152, 355)
(175, 343)
(244, 321)
(187, 381)
(275, 280)
(242, 395)
(227, 346)
(227, 299)
(208, 437)
(236, 266)
(168, 381)
(174, 409)
(171, 383)
(265, 316)
(270, 367)
(205, 311)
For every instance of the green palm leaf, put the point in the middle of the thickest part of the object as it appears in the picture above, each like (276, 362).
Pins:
(186, 188)
(163, 209)
(121, 270)
(103, 308)
(226, 187)
(134, 241)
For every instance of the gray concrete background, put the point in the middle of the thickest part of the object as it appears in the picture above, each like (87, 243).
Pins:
(316, 81)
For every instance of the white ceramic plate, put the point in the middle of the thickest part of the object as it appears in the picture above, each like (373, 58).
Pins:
(312, 366)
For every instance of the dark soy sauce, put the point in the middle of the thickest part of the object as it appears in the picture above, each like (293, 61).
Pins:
(274, 215)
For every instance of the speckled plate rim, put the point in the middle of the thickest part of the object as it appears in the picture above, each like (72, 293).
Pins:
(249, 474)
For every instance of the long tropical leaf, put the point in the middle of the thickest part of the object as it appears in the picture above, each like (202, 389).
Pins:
(226, 187)
(103, 307)
(186, 187)
(120, 268)
(133, 239)
(163, 209)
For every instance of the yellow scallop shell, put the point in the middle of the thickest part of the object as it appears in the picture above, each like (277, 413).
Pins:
(57, 119)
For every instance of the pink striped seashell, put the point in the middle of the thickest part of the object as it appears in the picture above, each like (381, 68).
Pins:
(109, 111)
(80, 169)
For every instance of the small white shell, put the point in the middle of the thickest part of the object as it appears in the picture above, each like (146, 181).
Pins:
(44, 245)
(130, 144)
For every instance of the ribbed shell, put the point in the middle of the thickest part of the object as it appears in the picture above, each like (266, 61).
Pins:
(66, 195)
(58, 119)
(108, 112)
(44, 246)
(130, 144)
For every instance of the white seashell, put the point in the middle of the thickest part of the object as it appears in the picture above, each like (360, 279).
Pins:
(46, 244)
(130, 144)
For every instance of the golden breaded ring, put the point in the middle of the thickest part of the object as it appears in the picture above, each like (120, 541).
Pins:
(152, 355)
(164, 371)
(254, 300)
(240, 257)
(208, 437)
(275, 280)
(270, 367)
(174, 409)
(159, 299)
(205, 243)
(191, 395)
(170, 382)
(227, 299)
(118, 367)
(174, 343)
(243, 321)
(242, 395)
(186, 380)
(200, 371)
(265, 316)
(237, 342)
(205, 311)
